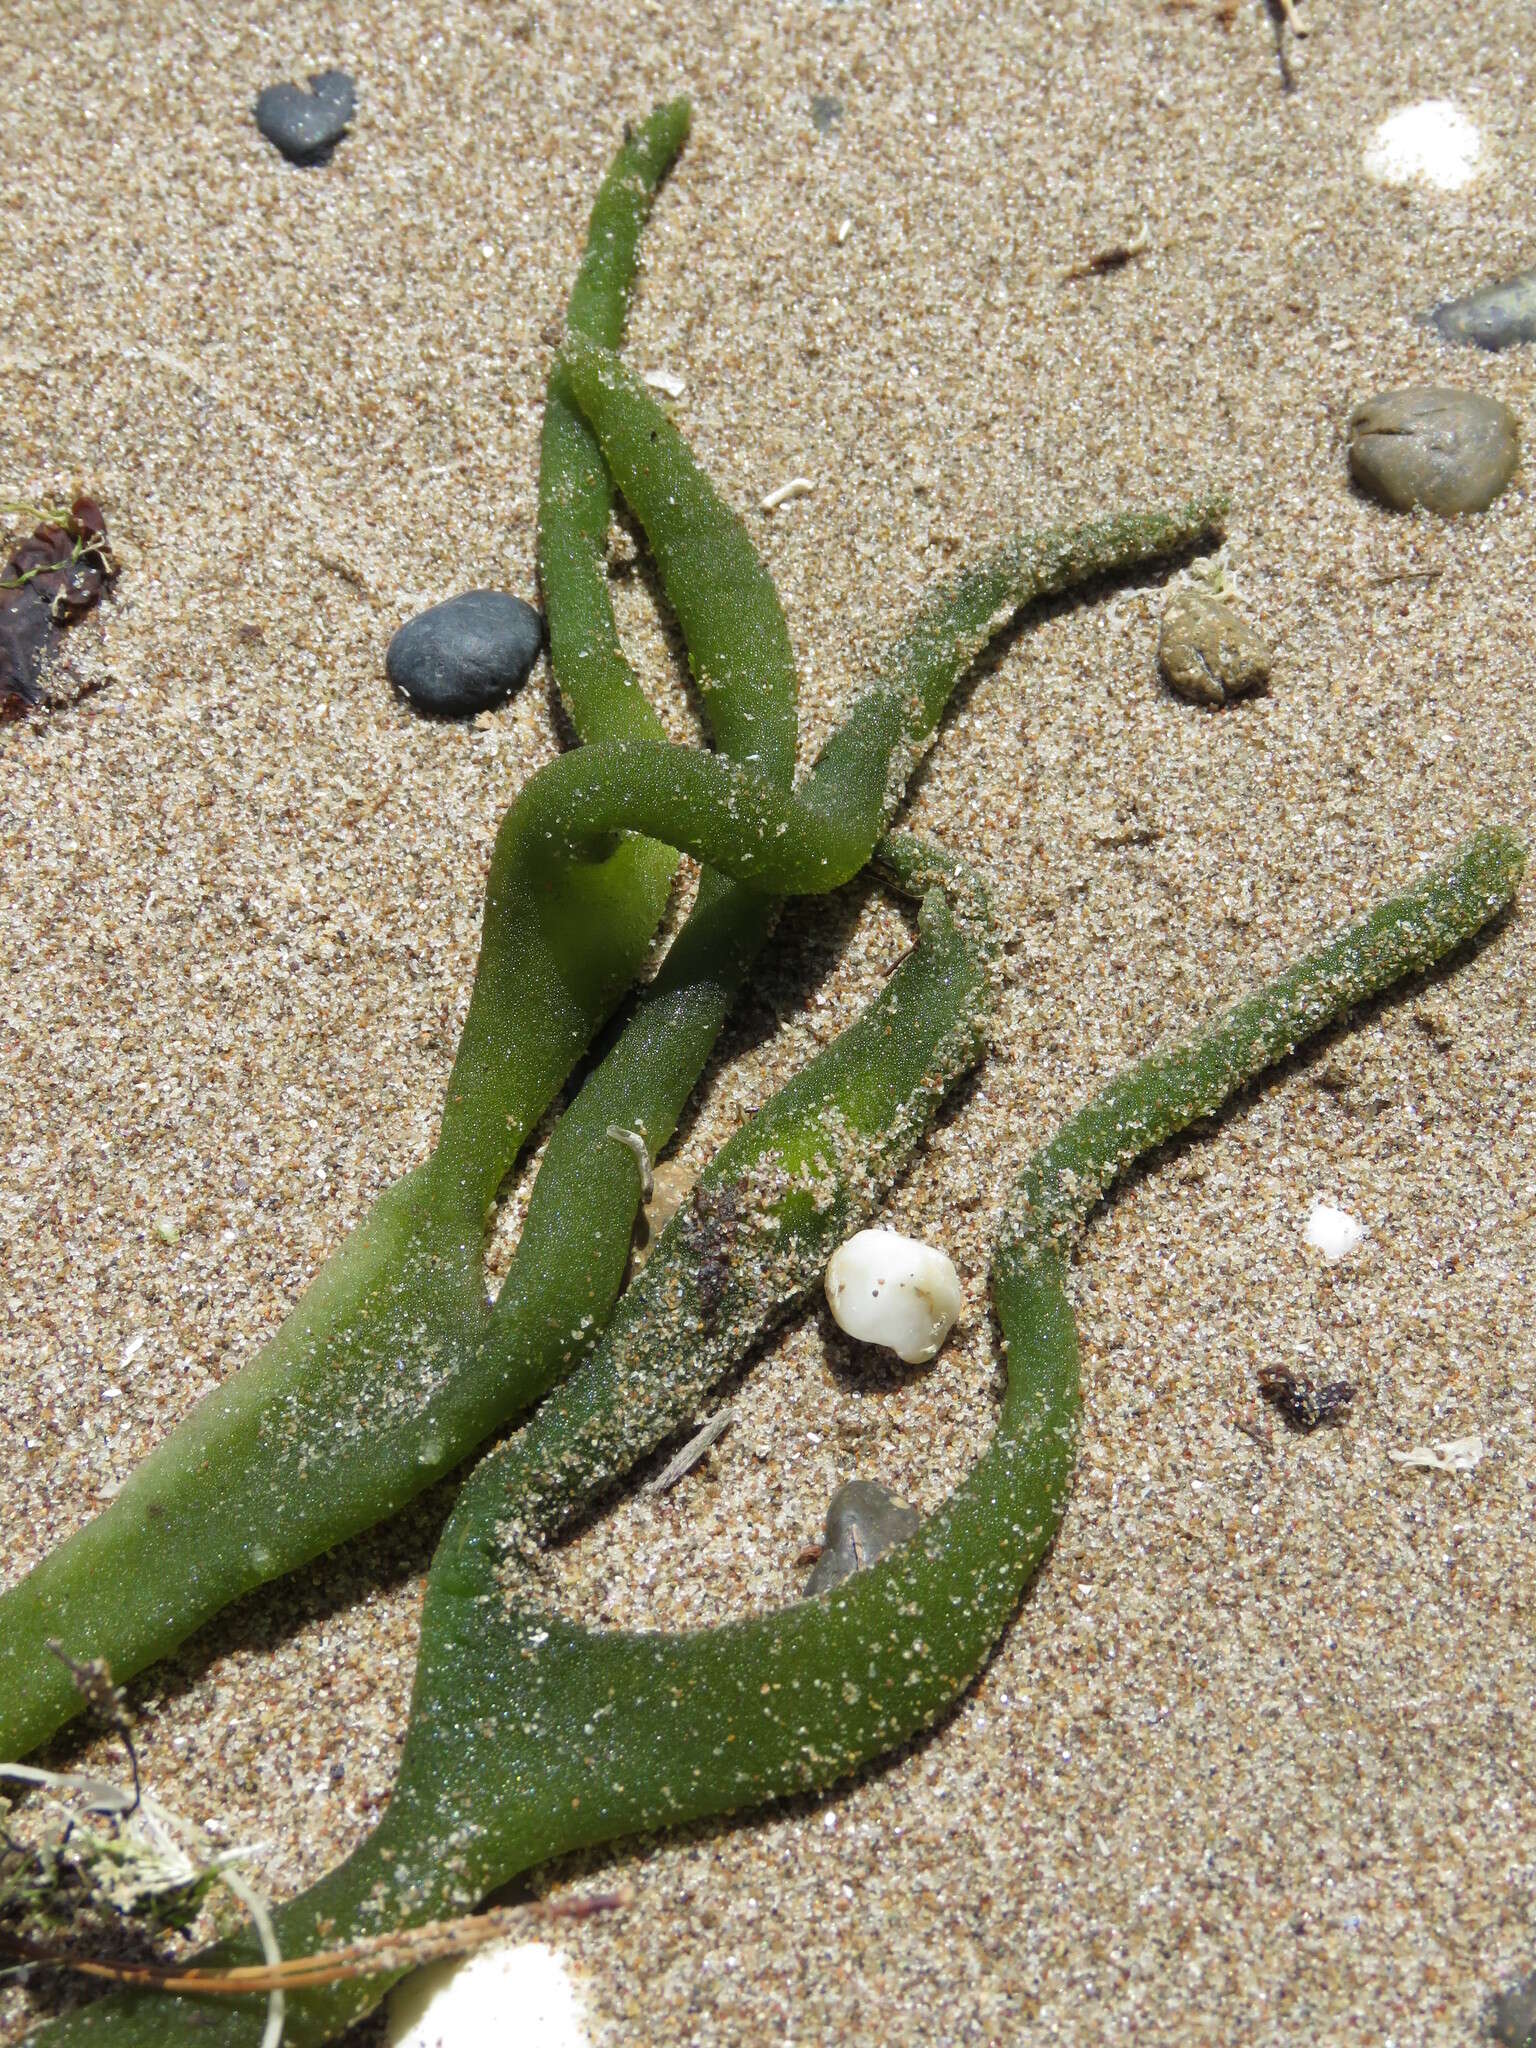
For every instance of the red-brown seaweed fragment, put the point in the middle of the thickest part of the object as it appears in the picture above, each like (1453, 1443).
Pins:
(57, 574)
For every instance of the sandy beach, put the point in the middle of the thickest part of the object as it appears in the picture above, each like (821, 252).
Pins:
(1254, 1764)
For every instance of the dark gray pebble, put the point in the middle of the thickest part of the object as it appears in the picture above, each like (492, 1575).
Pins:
(1498, 316)
(1513, 2018)
(1452, 451)
(306, 126)
(466, 655)
(864, 1521)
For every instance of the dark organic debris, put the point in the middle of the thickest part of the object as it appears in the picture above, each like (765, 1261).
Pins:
(304, 126)
(1305, 1407)
(55, 576)
(1115, 257)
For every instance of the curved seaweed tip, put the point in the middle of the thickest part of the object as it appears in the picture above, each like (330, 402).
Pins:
(1450, 904)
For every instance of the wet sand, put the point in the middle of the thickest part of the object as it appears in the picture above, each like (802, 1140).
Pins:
(1254, 1762)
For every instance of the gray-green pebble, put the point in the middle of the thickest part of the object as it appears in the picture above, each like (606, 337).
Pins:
(1206, 652)
(1496, 316)
(864, 1521)
(1432, 445)
(1513, 2018)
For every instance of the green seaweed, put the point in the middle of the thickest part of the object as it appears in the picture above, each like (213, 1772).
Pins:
(394, 1366)
(528, 1735)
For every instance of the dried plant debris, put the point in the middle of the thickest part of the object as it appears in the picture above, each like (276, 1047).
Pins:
(697, 1448)
(1113, 257)
(56, 575)
(90, 1853)
(1305, 1405)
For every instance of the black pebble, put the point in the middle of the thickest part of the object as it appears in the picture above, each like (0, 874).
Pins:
(1498, 316)
(466, 655)
(306, 126)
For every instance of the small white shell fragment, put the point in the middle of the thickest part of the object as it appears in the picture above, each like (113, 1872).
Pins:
(886, 1289)
(1454, 1454)
(634, 1141)
(1333, 1232)
(667, 382)
(797, 487)
(1431, 144)
(515, 1991)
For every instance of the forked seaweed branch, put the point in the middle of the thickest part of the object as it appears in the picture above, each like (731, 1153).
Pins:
(528, 1735)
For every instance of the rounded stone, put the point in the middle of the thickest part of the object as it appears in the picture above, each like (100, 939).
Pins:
(1513, 2018)
(1206, 652)
(466, 655)
(864, 1521)
(306, 126)
(1497, 316)
(1432, 445)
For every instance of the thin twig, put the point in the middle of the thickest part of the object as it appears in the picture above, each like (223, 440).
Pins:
(104, 1701)
(709, 1429)
(379, 1955)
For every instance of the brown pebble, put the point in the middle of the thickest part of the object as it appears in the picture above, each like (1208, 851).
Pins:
(1431, 445)
(1206, 652)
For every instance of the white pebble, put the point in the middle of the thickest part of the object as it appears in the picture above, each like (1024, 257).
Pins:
(891, 1290)
(1333, 1232)
(513, 1992)
(1431, 144)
